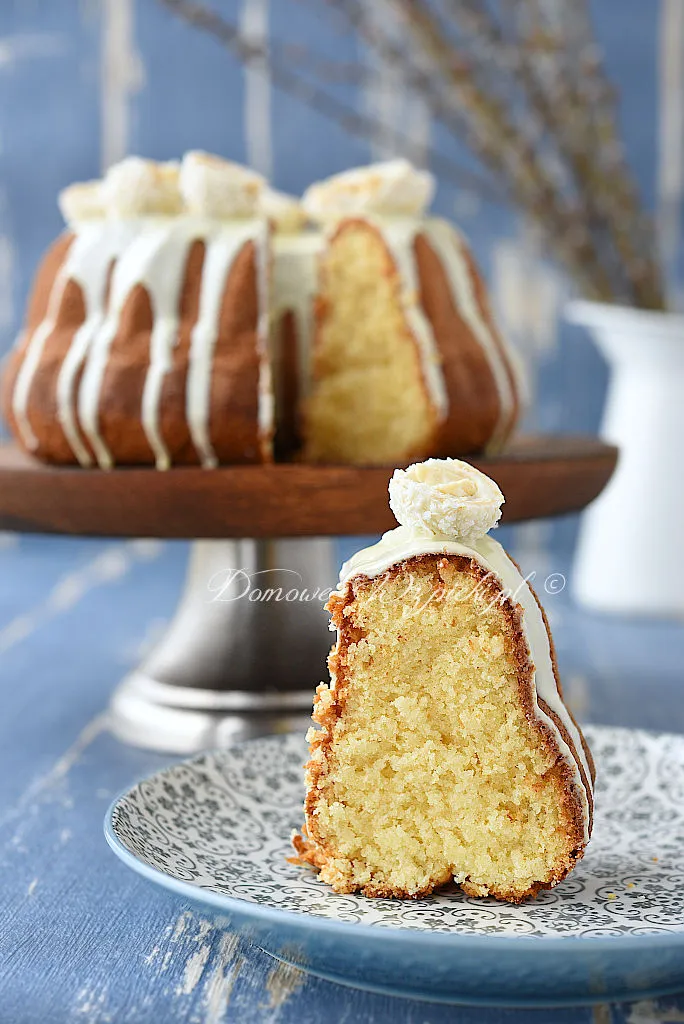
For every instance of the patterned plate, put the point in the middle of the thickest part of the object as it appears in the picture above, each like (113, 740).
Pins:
(216, 830)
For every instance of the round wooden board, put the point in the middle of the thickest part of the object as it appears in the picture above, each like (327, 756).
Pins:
(539, 476)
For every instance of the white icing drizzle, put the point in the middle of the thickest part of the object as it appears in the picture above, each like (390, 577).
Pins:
(449, 245)
(398, 234)
(152, 252)
(402, 543)
(223, 245)
(162, 271)
(295, 285)
(140, 262)
(31, 360)
(88, 264)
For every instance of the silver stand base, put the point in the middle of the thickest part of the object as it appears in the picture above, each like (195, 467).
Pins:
(147, 713)
(243, 654)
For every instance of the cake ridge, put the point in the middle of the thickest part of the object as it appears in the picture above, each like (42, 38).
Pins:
(29, 366)
(401, 544)
(98, 258)
(222, 248)
(162, 278)
(449, 243)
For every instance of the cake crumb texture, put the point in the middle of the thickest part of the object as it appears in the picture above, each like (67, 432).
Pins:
(430, 763)
(369, 403)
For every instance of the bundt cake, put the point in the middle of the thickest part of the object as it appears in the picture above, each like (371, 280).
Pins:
(190, 314)
(445, 750)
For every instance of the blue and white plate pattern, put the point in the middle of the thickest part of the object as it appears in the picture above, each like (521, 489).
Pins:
(217, 829)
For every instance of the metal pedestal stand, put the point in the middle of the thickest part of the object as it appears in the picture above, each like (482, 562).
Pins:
(244, 652)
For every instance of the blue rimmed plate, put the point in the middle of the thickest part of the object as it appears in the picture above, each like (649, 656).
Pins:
(216, 830)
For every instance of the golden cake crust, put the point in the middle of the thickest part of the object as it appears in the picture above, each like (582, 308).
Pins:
(313, 849)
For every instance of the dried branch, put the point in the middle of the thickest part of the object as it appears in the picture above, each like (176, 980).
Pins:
(457, 102)
(521, 63)
(527, 95)
(312, 94)
(598, 229)
(503, 144)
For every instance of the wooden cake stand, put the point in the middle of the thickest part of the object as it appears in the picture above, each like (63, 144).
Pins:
(248, 642)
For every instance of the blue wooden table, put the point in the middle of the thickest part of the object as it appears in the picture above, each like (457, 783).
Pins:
(84, 940)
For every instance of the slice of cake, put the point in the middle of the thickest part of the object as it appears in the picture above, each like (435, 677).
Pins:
(445, 750)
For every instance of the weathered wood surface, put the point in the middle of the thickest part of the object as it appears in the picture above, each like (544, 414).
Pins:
(539, 476)
(85, 941)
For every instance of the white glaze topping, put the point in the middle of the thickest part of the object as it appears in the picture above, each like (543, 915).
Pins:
(218, 259)
(31, 361)
(403, 543)
(150, 259)
(450, 246)
(151, 252)
(294, 289)
(161, 271)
